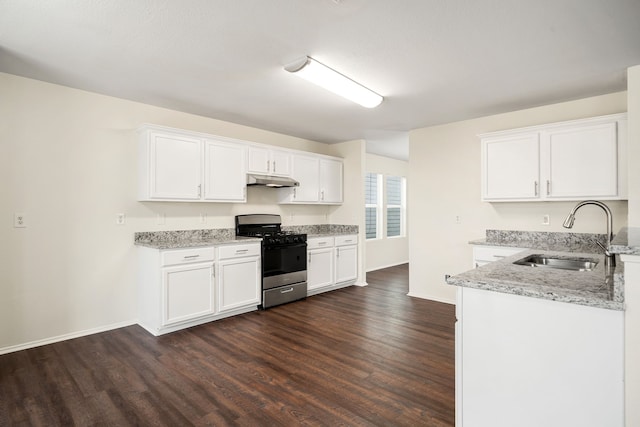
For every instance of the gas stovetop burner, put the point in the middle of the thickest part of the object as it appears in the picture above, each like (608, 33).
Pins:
(268, 228)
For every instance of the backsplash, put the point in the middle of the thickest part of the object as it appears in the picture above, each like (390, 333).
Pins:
(572, 242)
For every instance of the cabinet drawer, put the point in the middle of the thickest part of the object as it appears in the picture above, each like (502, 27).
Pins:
(487, 254)
(235, 251)
(320, 242)
(346, 240)
(184, 256)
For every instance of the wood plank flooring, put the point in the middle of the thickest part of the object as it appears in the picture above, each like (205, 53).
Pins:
(359, 356)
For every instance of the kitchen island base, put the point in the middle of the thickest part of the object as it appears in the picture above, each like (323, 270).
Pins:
(534, 362)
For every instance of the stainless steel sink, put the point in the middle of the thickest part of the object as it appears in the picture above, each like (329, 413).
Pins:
(562, 263)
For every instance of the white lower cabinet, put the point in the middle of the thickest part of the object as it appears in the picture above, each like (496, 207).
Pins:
(346, 258)
(332, 263)
(239, 277)
(187, 292)
(319, 263)
(485, 254)
(180, 288)
(530, 362)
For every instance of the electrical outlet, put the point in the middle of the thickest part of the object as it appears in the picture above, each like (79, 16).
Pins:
(120, 219)
(19, 220)
(545, 219)
(458, 219)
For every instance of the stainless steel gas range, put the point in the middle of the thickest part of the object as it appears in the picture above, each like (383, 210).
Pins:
(284, 258)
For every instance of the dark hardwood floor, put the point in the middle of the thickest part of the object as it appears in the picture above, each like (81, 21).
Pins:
(356, 356)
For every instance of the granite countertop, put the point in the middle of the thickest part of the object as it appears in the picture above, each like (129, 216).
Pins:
(601, 287)
(224, 236)
(196, 243)
(627, 242)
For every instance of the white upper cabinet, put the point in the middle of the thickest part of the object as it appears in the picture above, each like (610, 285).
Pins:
(583, 161)
(512, 166)
(269, 162)
(171, 167)
(330, 181)
(320, 180)
(182, 167)
(306, 170)
(561, 161)
(224, 171)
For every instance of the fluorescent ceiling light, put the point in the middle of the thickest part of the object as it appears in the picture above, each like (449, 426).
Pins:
(327, 78)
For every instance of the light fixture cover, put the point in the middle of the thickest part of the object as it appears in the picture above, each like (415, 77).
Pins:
(327, 78)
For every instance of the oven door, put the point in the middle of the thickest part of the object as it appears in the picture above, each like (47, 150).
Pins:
(283, 264)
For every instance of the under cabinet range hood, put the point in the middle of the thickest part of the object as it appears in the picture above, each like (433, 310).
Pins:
(271, 181)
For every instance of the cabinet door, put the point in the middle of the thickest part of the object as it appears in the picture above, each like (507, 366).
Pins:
(174, 167)
(259, 161)
(582, 161)
(511, 167)
(346, 263)
(280, 163)
(239, 283)
(225, 176)
(187, 292)
(306, 170)
(319, 268)
(330, 181)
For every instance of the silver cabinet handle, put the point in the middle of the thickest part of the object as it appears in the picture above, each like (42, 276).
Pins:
(337, 252)
(477, 265)
(294, 194)
(191, 256)
(348, 241)
(199, 190)
(535, 188)
(242, 251)
(274, 166)
(548, 187)
(499, 256)
(322, 195)
(322, 243)
(284, 291)
(268, 165)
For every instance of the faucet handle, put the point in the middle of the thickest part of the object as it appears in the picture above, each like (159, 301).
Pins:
(606, 250)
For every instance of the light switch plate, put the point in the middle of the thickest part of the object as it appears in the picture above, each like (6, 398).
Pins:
(19, 220)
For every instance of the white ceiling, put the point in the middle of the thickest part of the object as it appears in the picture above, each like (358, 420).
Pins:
(434, 61)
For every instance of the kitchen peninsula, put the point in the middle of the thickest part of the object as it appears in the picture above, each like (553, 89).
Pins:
(538, 345)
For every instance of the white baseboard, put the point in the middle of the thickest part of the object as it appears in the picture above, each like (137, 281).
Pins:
(387, 266)
(65, 337)
(361, 284)
(432, 298)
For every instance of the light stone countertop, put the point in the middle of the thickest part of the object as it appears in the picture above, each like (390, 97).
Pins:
(196, 243)
(627, 241)
(178, 239)
(601, 287)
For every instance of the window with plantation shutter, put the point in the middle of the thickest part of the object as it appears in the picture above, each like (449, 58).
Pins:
(373, 205)
(395, 206)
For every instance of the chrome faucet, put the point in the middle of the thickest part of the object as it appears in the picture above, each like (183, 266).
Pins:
(609, 259)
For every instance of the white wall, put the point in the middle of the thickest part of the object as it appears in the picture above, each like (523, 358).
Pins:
(385, 252)
(444, 173)
(352, 210)
(632, 270)
(68, 161)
